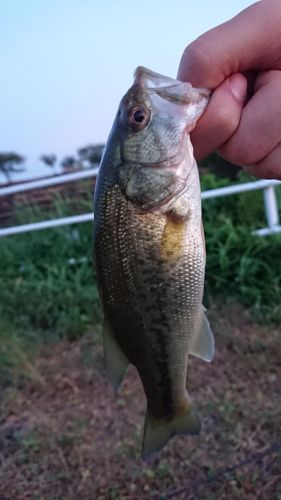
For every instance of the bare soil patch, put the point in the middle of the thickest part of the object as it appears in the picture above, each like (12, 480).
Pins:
(64, 435)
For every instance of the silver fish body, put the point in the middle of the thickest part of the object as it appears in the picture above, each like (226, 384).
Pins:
(150, 251)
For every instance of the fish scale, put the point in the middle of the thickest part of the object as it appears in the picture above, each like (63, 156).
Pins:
(141, 290)
(150, 253)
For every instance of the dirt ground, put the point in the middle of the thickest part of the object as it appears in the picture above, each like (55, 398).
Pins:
(64, 435)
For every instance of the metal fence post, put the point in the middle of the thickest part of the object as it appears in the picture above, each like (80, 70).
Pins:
(271, 207)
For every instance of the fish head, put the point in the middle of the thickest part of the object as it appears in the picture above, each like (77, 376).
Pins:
(157, 113)
(153, 123)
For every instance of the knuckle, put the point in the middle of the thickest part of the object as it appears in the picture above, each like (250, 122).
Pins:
(195, 62)
(243, 151)
(233, 154)
(197, 52)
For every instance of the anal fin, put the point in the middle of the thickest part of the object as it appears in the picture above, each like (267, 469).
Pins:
(203, 343)
(116, 363)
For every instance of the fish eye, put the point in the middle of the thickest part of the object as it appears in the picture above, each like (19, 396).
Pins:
(138, 117)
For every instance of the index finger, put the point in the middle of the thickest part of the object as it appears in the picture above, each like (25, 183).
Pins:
(251, 40)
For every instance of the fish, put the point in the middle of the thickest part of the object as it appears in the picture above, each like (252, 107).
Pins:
(149, 250)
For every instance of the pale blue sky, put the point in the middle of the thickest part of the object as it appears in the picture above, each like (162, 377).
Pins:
(65, 64)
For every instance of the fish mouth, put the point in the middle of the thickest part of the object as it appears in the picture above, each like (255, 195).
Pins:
(169, 164)
(152, 80)
(169, 88)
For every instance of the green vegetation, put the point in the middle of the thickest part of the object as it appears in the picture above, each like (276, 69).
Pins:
(240, 266)
(48, 288)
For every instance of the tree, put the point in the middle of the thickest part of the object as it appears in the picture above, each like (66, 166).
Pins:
(48, 160)
(10, 163)
(70, 163)
(90, 156)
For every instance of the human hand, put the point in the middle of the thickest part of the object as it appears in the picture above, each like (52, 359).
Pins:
(241, 61)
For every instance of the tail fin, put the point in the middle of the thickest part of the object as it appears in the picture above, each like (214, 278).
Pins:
(157, 432)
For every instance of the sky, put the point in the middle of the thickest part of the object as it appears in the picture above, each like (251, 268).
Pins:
(64, 65)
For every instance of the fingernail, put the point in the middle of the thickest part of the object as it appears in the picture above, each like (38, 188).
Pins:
(238, 86)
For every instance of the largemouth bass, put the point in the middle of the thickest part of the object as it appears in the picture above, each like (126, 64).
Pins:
(150, 250)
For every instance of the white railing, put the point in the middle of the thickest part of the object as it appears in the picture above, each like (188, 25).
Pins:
(268, 187)
(269, 197)
(53, 180)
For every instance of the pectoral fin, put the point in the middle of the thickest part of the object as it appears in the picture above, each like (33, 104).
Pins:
(116, 363)
(203, 343)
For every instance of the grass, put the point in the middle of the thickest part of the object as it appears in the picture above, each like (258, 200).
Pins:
(48, 288)
(240, 266)
(48, 285)
(47, 282)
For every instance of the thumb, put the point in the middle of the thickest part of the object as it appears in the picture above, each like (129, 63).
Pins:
(221, 117)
